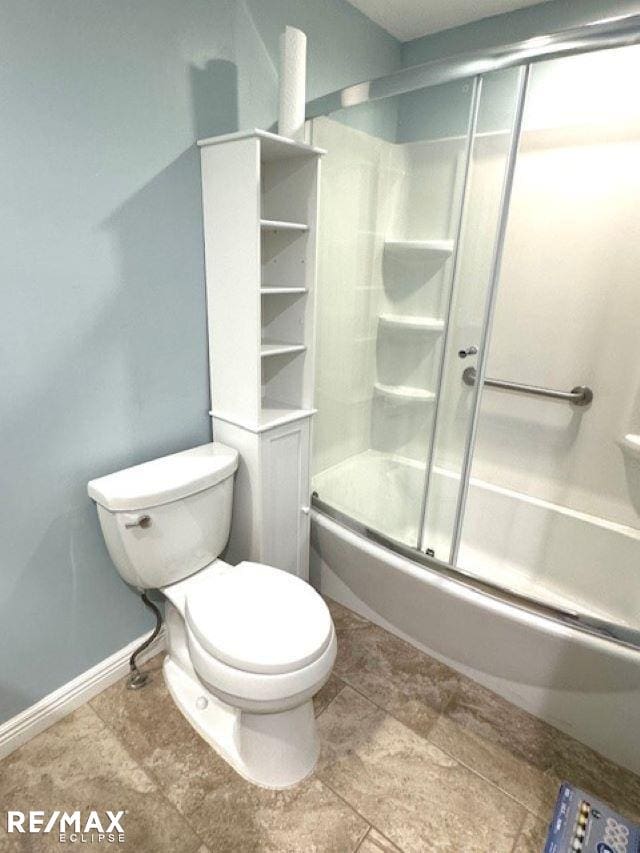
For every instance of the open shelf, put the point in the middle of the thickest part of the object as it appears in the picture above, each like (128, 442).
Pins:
(269, 348)
(405, 392)
(420, 249)
(282, 225)
(412, 322)
(286, 290)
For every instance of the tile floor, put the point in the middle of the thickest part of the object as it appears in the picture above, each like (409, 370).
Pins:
(415, 757)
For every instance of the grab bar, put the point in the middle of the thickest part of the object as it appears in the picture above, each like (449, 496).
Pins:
(581, 395)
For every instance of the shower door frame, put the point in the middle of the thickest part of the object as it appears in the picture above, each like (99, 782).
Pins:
(598, 35)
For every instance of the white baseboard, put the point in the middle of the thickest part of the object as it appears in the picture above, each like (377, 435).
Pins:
(56, 705)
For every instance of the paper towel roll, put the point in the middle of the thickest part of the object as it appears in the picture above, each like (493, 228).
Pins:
(293, 81)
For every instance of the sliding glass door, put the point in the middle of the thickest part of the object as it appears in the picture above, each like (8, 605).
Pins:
(486, 201)
(553, 505)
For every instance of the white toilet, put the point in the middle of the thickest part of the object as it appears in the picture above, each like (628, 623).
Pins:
(249, 645)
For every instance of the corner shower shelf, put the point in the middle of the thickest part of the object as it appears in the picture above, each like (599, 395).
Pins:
(405, 392)
(420, 249)
(275, 348)
(412, 322)
(282, 225)
(271, 290)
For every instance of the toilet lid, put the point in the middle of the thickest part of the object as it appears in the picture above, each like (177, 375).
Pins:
(259, 619)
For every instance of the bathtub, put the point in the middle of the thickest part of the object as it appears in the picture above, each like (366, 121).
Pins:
(581, 683)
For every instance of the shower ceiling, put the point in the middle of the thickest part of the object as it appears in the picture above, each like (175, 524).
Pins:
(410, 19)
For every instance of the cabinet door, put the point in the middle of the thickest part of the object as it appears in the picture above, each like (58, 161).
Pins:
(285, 497)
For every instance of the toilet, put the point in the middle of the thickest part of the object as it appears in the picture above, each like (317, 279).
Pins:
(248, 645)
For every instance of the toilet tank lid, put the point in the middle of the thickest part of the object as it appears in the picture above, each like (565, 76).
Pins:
(166, 479)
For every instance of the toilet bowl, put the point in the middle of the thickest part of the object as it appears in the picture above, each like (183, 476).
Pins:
(248, 645)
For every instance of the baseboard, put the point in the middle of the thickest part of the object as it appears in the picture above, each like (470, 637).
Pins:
(56, 705)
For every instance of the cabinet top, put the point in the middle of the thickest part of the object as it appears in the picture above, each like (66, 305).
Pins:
(273, 147)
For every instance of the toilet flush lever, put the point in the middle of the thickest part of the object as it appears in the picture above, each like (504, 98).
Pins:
(142, 521)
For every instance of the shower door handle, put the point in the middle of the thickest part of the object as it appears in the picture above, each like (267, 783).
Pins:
(472, 350)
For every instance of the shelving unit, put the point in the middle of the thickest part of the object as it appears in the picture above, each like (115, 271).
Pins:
(260, 198)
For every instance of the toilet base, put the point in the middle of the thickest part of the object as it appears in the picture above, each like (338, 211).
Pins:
(270, 750)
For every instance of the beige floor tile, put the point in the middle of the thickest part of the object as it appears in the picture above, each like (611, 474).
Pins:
(500, 742)
(327, 694)
(393, 674)
(377, 843)
(228, 813)
(414, 793)
(525, 756)
(154, 731)
(79, 764)
(533, 835)
(237, 816)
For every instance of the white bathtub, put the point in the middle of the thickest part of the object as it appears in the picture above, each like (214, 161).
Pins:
(584, 685)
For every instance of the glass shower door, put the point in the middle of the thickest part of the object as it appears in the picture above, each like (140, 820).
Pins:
(553, 509)
(491, 160)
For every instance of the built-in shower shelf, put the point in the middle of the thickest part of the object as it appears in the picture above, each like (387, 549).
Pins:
(420, 249)
(631, 445)
(413, 322)
(405, 392)
(282, 225)
(269, 348)
(268, 291)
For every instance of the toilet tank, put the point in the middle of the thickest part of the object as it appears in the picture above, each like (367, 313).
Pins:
(166, 519)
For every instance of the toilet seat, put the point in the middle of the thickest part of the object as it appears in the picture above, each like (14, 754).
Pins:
(258, 619)
(256, 690)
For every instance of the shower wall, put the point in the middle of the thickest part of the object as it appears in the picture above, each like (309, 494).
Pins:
(569, 297)
(389, 212)
(359, 180)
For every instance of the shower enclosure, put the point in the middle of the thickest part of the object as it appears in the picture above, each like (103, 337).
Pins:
(478, 322)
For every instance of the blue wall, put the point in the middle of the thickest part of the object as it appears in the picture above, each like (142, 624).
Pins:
(103, 359)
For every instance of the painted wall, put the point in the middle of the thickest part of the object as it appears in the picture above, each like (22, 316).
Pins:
(103, 360)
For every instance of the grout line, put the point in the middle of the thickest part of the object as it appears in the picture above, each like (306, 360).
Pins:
(445, 751)
(329, 704)
(363, 839)
(354, 809)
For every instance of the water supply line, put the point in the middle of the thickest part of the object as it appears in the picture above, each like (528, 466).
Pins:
(138, 679)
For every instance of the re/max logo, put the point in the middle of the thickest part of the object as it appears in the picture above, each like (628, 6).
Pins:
(70, 826)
